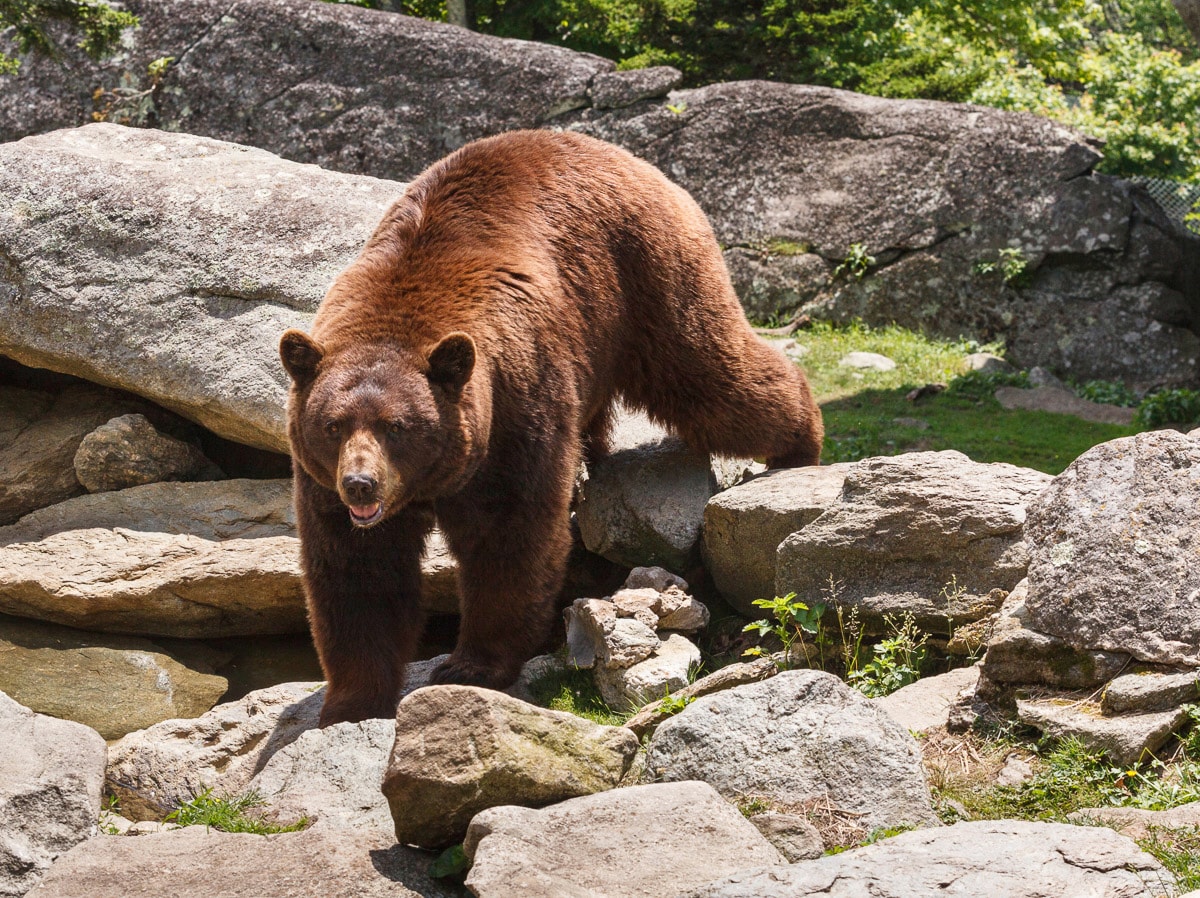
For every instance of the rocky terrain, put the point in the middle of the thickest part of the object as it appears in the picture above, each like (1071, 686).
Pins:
(152, 629)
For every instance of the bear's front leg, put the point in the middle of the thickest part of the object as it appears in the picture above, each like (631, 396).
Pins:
(363, 586)
(512, 556)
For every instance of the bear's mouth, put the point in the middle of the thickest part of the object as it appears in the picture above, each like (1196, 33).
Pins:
(366, 515)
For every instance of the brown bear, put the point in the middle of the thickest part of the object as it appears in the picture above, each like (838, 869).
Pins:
(466, 361)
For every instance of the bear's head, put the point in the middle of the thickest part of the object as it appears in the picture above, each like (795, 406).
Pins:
(383, 426)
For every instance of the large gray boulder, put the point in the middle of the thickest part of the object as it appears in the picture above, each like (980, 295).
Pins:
(114, 684)
(800, 737)
(118, 239)
(930, 533)
(460, 750)
(793, 176)
(997, 858)
(343, 87)
(638, 842)
(1112, 546)
(198, 862)
(51, 773)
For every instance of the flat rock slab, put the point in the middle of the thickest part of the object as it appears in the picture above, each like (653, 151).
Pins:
(1063, 402)
(114, 684)
(1125, 738)
(796, 738)
(164, 559)
(744, 525)
(1137, 823)
(195, 862)
(925, 705)
(931, 533)
(1150, 691)
(117, 239)
(739, 674)
(51, 773)
(461, 749)
(999, 859)
(1112, 547)
(637, 842)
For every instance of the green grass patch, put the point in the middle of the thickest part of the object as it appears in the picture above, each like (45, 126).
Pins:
(866, 412)
(231, 814)
(575, 692)
(1179, 851)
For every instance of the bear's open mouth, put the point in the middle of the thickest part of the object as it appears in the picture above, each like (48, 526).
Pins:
(366, 515)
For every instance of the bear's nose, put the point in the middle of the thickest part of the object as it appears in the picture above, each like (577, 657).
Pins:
(359, 488)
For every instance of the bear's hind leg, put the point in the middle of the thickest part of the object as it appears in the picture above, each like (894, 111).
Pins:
(363, 589)
(745, 399)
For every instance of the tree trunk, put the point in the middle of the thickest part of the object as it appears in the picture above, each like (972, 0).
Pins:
(462, 12)
(1189, 11)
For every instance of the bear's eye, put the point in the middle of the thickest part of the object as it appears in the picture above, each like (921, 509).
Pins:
(394, 428)
(332, 428)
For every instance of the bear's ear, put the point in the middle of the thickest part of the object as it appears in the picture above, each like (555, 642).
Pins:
(451, 363)
(300, 355)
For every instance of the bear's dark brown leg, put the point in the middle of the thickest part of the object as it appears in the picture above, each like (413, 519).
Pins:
(363, 588)
(511, 538)
(742, 400)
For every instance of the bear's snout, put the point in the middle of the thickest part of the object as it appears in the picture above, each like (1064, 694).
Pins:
(360, 489)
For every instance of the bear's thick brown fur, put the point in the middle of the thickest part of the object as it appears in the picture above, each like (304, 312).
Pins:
(461, 366)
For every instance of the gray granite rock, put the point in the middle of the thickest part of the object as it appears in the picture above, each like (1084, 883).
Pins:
(611, 90)
(129, 451)
(1150, 691)
(996, 858)
(1126, 738)
(798, 737)
(198, 862)
(744, 526)
(114, 684)
(1111, 542)
(930, 533)
(51, 774)
(637, 842)
(460, 750)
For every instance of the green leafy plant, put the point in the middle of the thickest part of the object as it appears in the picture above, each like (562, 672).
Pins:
(31, 23)
(790, 620)
(897, 659)
(673, 704)
(450, 864)
(1010, 262)
(856, 264)
(1107, 392)
(1175, 406)
(230, 814)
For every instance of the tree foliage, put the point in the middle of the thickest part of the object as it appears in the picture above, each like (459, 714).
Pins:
(1122, 70)
(32, 26)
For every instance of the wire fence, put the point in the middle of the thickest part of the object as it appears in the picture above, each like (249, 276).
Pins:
(1177, 198)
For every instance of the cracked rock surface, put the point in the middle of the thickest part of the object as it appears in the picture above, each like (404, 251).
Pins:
(997, 858)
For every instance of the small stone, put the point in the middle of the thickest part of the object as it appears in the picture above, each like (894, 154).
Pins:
(690, 616)
(867, 360)
(656, 578)
(794, 837)
(1040, 377)
(587, 621)
(1014, 772)
(987, 363)
(1150, 691)
(628, 643)
(667, 670)
(925, 705)
(128, 451)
